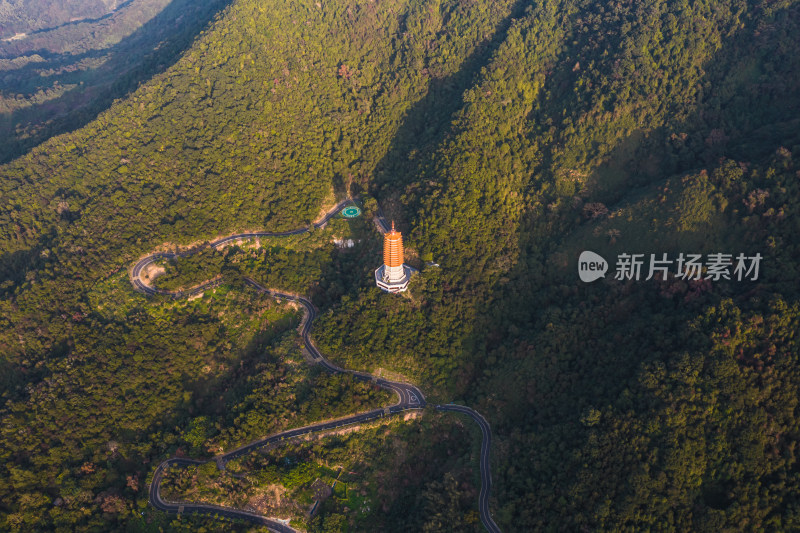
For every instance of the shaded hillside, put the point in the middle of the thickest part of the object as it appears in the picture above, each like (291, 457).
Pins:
(595, 117)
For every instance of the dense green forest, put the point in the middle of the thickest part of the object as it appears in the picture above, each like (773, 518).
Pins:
(503, 138)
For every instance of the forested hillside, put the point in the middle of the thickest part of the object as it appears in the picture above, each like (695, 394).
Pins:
(504, 138)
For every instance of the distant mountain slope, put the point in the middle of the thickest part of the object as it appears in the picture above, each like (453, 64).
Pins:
(79, 35)
(56, 80)
(26, 16)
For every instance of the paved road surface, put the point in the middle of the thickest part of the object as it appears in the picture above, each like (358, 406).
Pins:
(409, 397)
(136, 273)
(486, 472)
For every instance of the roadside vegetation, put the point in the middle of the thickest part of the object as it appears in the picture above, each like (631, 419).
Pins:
(369, 467)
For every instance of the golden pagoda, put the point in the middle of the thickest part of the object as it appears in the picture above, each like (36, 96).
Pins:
(393, 248)
(393, 275)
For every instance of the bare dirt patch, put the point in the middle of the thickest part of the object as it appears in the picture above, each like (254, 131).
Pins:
(272, 501)
(151, 272)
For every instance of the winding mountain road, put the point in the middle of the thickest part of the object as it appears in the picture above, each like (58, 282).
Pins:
(409, 397)
(486, 472)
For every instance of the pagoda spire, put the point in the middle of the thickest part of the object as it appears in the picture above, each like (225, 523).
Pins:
(393, 250)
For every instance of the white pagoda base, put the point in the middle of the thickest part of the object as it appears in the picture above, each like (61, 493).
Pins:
(398, 284)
